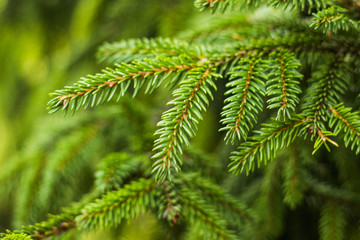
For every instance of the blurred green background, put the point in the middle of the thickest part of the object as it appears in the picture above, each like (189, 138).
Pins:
(46, 44)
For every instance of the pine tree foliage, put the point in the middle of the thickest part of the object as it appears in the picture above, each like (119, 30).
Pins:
(129, 201)
(283, 85)
(242, 107)
(301, 4)
(55, 225)
(96, 89)
(281, 79)
(349, 122)
(326, 90)
(180, 122)
(328, 86)
(117, 206)
(334, 19)
(267, 142)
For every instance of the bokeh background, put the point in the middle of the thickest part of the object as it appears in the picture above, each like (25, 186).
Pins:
(46, 44)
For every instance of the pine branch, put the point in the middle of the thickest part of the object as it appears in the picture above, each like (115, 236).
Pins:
(265, 146)
(283, 84)
(300, 4)
(96, 89)
(225, 61)
(179, 123)
(117, 206)
(349, 122)
(332, 222)
(246, 99)
(111, 209)
(129, 50)
(329, 83)
(55, 225)
(334, 19)
(323, 139)
(203, 218)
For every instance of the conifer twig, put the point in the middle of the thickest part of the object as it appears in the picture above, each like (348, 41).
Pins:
(180, 122)
(245, 100)
(119, 205)
(265, 146)
(96, 89)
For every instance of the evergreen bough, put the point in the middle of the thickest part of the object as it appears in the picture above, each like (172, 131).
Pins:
(289, 83)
